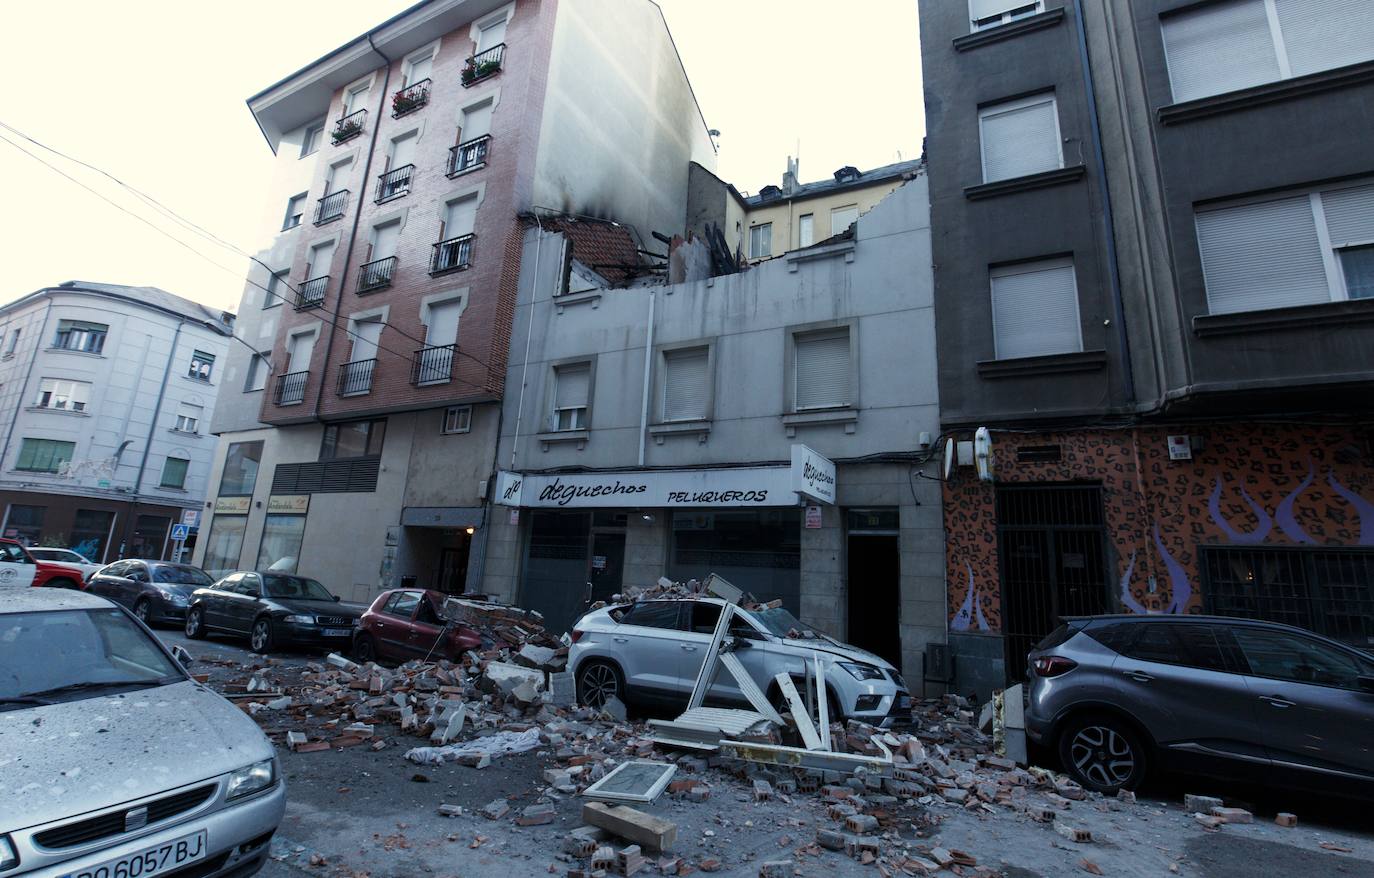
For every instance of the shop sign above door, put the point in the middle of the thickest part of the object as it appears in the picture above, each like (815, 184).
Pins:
(813, 475)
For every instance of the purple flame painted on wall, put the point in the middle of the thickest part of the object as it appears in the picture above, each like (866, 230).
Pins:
(970, 610)
(1363, 506)
(1257, 535)
(1284, 514)
(1181, 590)
(1127, 599)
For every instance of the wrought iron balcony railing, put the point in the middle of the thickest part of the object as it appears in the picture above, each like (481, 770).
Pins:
(349, 127)
(483, 64)
(410, 98)
(355, 378)
(291, 388)
(311, 294)
(331, 207)
(455, 254)
(394, 183)
(468, 155)
(432, 365)
(376, 274)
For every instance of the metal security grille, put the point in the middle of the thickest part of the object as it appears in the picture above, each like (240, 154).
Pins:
(1052, 544)
(348, 476)
(1330, 591)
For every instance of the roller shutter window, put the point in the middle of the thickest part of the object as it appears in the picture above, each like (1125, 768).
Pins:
(1325, 34)
(991, 13)
(1020, 138)
(571, 386)
(686, 384)
(1264, 255)
(822, 370)
(1035, 309)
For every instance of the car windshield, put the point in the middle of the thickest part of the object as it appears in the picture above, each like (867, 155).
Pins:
(59, 655)
(175, 575)
(780, 623)
(296, 587)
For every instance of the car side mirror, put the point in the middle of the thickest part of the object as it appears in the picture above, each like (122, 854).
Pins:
(181, 655)
(1366, 683)
(337, 599)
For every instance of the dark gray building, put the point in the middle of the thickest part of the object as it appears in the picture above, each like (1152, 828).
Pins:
(1153, 235)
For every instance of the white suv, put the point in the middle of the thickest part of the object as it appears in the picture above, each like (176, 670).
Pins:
(651, 652)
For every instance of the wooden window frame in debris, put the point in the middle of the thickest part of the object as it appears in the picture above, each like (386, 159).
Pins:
(600, 789)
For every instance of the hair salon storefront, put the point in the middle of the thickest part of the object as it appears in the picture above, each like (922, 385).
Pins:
(585, 536)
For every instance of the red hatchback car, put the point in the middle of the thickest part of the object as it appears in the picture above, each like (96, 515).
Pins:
(406, 623)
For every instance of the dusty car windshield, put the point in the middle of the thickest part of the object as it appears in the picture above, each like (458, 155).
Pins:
(296, 587)
(65, 654)
(780, 623)
(174, 575)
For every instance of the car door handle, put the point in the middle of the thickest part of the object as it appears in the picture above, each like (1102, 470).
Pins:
(1275, 701)
(689, 648)
(1139, 676)
(621, 639)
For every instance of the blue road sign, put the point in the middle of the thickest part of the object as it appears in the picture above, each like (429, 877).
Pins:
(180, 532)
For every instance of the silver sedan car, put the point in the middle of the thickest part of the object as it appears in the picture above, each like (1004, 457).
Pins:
(113, 761)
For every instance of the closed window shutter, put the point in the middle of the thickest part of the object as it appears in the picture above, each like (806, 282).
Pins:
(1349, 215)
(1220, 48)
(982, 9)
(1258, 256)
(686, 385)
(443, 324)
(476, 121)
(1035, 310)
(822, 365)
(1020, 140)
(571, 386)
(1325, 34)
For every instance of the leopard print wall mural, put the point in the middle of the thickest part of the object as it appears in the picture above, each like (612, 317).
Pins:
(1249, 484)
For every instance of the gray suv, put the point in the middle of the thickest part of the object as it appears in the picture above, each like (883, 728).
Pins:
(1118, 696)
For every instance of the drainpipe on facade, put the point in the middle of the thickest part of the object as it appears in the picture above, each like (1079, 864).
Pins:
(28, 374)
(148, 442)
(648, 364)
(353, 232)
(1108, 223)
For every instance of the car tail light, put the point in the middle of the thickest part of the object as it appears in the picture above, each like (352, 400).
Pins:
(1053, 665)
(577, 634)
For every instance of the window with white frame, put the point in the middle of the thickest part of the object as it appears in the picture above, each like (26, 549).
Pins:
(202, 366)
(841, 218)
(314, 136)
(419, 67)
(256, 378)
(276, 290)
(687, 384)
(78, 335)
(1035, 309)
(991, 13)
(13, 342)
(1293, 250)
(806, 230)
(571, 395)
(1020, 138)
(188, 417)
(457, 419)
(1233, 45)
(761, 241)
(295, 211)
(821, 369)
(475, 121)
(62, 395)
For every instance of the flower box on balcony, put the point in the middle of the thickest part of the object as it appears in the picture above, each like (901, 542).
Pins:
(347, 131)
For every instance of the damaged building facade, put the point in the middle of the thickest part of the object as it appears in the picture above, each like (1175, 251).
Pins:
(766, 425)
(1153, 289)
(361, 445)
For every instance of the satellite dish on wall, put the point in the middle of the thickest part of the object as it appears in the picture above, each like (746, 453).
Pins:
(949, 458)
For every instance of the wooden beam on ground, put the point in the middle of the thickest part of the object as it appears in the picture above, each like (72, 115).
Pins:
(643, 829)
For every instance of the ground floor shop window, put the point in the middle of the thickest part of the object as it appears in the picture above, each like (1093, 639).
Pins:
(556, 558)
(25, 523)
(225, 544)
(281, 543)
(91, 533)
(1328, 591)
(758, 550)
(150, 536)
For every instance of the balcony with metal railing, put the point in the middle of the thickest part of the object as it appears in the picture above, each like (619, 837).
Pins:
(410, 98)
(376, 275)
(291, 388)
(331, 207)
(394, 183)
(468, 155)
(455, 254)
(349, 127)
(355, 378)
(311, 293)
(483, 65)
(432, 365)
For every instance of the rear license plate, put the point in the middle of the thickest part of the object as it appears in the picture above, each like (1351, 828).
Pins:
(152, 861)
(338, 632)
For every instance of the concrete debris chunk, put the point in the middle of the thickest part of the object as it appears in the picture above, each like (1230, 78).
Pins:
(646, 830)
(1073, 833)
(775, 869)
(1233, 815)
(339, 661)
(536, 815)
(1284, 818)
(496, 810)
(1201, 804)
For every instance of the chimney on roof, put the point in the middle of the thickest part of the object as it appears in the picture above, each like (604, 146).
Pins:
(789, 177)
(846, 174)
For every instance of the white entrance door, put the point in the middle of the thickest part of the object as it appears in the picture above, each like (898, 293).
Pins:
(16, 570)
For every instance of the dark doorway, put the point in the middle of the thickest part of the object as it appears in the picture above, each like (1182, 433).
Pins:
(1053, 548)
(452, 577)
(874, 582)
(608, 565)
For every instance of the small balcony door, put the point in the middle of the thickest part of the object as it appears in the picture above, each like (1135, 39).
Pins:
(459, 218)
(402, 152)
(491, 34)
(367, 334)
(476, 122)
(384, 240)
(298, 351)
(420, 68)
(320, 257)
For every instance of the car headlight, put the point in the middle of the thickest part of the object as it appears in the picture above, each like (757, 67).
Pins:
(9, 857)
(176, 599)
(862, 672)
(254, 778)
(299, 620)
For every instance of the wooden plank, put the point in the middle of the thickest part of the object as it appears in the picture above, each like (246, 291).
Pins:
(822, 706)
(799, 713)
(643, 829)
(797, 757)
(708, 662)
(749, 688)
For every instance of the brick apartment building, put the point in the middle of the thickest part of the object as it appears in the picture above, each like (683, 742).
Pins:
(420, 151)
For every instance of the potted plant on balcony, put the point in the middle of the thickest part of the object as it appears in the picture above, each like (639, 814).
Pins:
(405, 100)
(473, 71)
(346, 129)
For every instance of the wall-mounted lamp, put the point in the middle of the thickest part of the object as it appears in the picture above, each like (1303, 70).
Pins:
(648, 517)
(471, 531)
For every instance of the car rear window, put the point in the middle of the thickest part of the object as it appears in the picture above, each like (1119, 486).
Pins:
(1113, 635)
(1055, 637)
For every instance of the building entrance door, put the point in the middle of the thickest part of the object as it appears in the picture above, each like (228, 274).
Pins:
(1053, 547)
(607, 565)
(453, 568)
(873, 583)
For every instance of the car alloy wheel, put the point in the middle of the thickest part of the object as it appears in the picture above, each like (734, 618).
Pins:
(1103, 756)
(261, 639)
(598, 684)
(141, 610)
(194, 627)
(364, 651)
